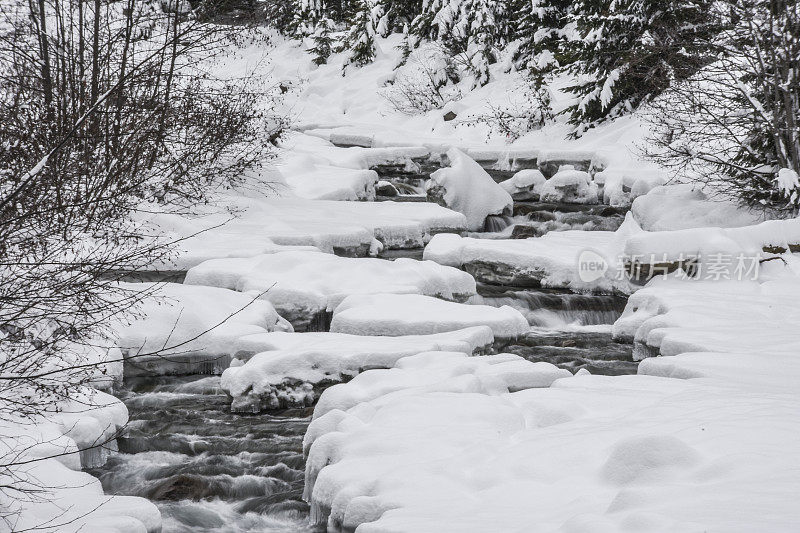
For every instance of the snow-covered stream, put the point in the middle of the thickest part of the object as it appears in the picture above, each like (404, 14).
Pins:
(208, 469)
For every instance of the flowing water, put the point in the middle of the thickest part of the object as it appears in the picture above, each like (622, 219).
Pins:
(205, 468)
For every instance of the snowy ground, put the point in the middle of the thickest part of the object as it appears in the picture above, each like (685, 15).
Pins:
(424, 437)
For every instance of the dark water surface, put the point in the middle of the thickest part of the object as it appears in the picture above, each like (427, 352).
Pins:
(205, 468)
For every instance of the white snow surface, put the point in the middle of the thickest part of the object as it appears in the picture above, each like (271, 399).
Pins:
(310, 174)
(177, 319)
(746, 241)
(264, 225)
(470, 190)
(436, 372)
(398, 450)
(302, 284)
(412, 314)
(684, 206)
(589, 454)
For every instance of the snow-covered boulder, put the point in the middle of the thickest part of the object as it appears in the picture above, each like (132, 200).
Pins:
(438, 371)
(621, 186)
(46, 455)
(411, 314)
(386, 189)
(287, 369)
(304, 285)
(466, 187)
(569, 186)
(548, 261)
(190, 329)
(524, 185)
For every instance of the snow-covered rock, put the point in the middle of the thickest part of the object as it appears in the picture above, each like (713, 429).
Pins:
(183, 329)
(547, 261)
(438, 371)
(411, 314)
(466, 187)
(722, 253)
(286, 369)
(524, 185)
(302, 285)
(347, 228)
(569, 186)
(621, 186)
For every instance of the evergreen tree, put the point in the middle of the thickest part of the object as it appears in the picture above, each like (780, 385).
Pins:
(483, 34)
(360, 40)
(424, 26)
(542, 27)
(323, 41)
(631, 50)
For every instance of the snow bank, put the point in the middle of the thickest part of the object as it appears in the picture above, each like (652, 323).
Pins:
(316, 169)
(410, 314)
(672, 316)
(524, 185)
(190, 329)
(467, 188)
(51, 451)
(569, 186)
(773, 236)
(302, 285)
(684, 206)
(283, 369)
(443, 458)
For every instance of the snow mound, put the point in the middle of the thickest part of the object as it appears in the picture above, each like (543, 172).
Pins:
(189, 329)
(569, 186)
(47, 455)
(313, 169)
(301, 285)
(410, 314)
(467, 188)
(283, 369)
(684, 206)
(524, 185)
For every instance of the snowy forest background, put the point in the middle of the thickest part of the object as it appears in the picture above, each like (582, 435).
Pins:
(110, 112)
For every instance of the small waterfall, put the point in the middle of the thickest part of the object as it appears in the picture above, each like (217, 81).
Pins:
(497, 223)
(555, 309)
